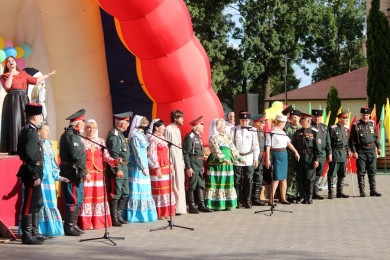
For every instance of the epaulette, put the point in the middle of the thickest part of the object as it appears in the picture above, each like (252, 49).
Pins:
(356, 123)
(346, 127)
(333, 126)
(192, 134)
(115, 132)
(315, 129)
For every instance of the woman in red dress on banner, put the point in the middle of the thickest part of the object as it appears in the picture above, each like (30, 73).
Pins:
(91, 215)
(160, 168)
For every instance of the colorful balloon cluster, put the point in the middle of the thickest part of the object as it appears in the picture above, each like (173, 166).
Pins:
(21, 53)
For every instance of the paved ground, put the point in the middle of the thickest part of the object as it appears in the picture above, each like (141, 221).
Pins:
(354, 228)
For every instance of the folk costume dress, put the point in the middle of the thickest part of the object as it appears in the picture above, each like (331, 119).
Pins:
(13, 117)
(158, 158)
(92, 210)
(50, 221)
(220, 191)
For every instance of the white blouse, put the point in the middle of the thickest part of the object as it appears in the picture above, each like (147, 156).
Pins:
(279, 139)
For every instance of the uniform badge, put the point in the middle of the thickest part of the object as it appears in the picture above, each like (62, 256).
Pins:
(75, 144)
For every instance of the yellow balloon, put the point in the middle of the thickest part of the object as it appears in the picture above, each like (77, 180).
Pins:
(276, 108)
(19, 52)
(1, 43)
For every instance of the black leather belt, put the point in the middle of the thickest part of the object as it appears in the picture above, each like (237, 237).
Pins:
(196, 157)
(305, 151)
(340, 148)
(278, 149)
(248, 153)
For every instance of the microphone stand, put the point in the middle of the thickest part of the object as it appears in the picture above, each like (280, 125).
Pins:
(106, 235)
(170, 221)
(273, 205)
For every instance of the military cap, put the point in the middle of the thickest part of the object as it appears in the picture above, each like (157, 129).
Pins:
(260, 117)
(79, 115)
(33, 109)
(196, 121)
(295, 112)
(282, 118)
(343, 113)
(123, 116)
(244, 115)
(305, 116)
(316, 112)
(287, 110)
(365, 110)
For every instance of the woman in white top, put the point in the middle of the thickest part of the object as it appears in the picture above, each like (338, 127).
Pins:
(276, 155)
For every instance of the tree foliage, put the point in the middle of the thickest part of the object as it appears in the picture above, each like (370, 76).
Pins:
(378, 57)
(333, 103)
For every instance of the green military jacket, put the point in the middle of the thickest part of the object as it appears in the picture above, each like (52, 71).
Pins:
(323, 140)
(339, 142)
(31, 153)
(193, 151)
(305, 141)
(363, 136)
(118, 148)
(72, 154)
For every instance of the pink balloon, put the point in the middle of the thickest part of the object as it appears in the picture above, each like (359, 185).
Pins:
(7, 44)
(21, 63)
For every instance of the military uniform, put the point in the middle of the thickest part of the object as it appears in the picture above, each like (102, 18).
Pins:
(305, 142)
(324, 147)
(193, 159)
(118, 187)
(73, 159)
(258, 171)
(339, 142)
(364, 141)
(30, 152)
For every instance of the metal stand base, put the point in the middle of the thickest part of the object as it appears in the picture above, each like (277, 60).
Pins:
(272, 209)
(170, 225)
(105, 236)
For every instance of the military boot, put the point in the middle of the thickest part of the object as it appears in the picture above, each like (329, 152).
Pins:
(316, 196)
(122, 204)
(35, 227)
(191, 203)
(300, 193)
(372, 181)
(247, 196)
(27, 230)
(340, 185)
(201, 206)
(330, 187)
(361, 184)
(255, 197)
(76, 216)
(309, 192)
(69, 224)
(238, 191)
(114, 213)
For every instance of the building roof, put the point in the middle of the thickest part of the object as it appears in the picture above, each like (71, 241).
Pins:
(351, 85)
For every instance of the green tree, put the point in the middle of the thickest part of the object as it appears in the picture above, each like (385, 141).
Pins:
(333, 103)
(378, 57)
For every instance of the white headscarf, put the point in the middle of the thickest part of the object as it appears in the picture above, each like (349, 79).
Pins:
(94, 122)
(150, 131)
(135, 124)
(213, 127)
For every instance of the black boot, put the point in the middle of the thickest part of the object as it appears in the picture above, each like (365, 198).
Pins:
(340, 185)
(309, 192)
(35, 227)
(255, 197)
(191, 203)
(76, 216)
(361, 184)
(372, 181)
(300, 193)
(69, 226)
(114, 212)
(27, 230)
(330, 187)
(247, 196)
(316, 196)
(122, 205)
(238, 191)
(201, 206)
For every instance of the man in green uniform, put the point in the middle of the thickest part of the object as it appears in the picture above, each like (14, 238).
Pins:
(292, 189)
(324, 148)
(193, 160)
(258, 123)
(31, 172)
(365, 146)
(286, 112)
(305, 141)
(117, 177)
(73, 158)
(340, 148)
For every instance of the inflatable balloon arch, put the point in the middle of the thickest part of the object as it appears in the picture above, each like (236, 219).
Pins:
(21, 53)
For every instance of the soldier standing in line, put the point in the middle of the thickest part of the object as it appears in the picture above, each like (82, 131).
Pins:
(365, 146)
(73, 158)
(258, 123)
(324, 147)
(292, 189)
(340, 148)
(193, 159)
(31, 172)
(305, 140)
(117, 176)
